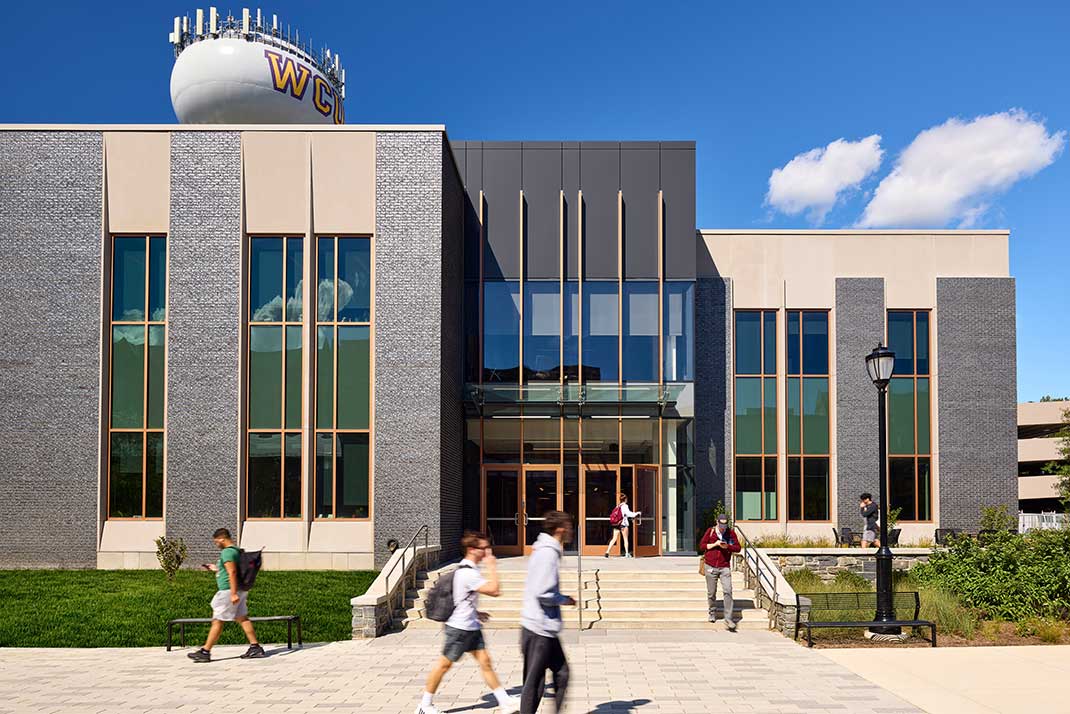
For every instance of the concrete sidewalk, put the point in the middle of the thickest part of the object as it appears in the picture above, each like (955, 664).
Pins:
(646, 672)
(956, 680)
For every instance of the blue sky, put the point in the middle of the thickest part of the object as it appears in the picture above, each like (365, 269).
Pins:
(754, 83)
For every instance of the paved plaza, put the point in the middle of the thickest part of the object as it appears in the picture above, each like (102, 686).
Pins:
(646, 672)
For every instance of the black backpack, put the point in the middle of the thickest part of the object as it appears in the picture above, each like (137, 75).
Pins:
(439, 604)
(249, 562)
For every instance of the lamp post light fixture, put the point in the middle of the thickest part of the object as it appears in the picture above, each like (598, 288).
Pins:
(880, 363)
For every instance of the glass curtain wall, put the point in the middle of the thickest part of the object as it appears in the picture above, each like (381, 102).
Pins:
(756, 416)
(275, 367)
(137, 375)
(909, 442)
(807, 411)
(343, 377)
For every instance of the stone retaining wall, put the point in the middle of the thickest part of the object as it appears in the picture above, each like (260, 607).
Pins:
(827, 562)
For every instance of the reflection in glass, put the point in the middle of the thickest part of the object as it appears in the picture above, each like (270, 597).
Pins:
(749, 488)
(503, 501)
(471, 332)
(571, 330)
(156, 377)
(901, 484)
(501, 331)
(325, 377)
(639, 441)
(542, 329)
(324, 476)
(265, 280)
(923, 414)
(748, 342)
(794, 358)
(127, 376)
(571, 502)
(128, 279)
(794, 488)
(600, 489)
(291, 497)
(265, 377)
(265, 469)
(353, 380)
(542, 441)
(295, 270)
(640, 349)
(157, 279)
(325, 280)
(501, 441)
(815, 342)
(815, 415)
(816, 489)
(601, 441)
(924, 494)
(769, 446)
(794, 415)
(600, 331)
(922, 343)
(293, 377)
(748, 415)
(901, 416)
(154, 474)
(124, 486)
(769, 341)
(354, 279)
(901, 341)
(679, 324)
(540, 497)
(351, 483)
(770, 488)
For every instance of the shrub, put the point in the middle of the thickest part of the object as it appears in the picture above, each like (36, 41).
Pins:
(893, 517)
(171, 552)
(804, 580)
(850, 580)
(1046, 629)
(782, 541)
(1010, 577)
(996, 518)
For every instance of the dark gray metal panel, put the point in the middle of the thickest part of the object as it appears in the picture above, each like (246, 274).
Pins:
(570, 182)
(203, 354)
(542, 196)
(713, 393)
(460, 154)
(501, 212)
(451, 398)
(600, 181)
(50, 332)
(859, 326)
(976, 394)
(678, 189)
(639, 181)
(473, 181)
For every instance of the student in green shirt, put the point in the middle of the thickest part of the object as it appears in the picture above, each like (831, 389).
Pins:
(228, 605)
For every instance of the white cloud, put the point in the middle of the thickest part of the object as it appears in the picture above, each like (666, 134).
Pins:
(812, 182)
(949, 172)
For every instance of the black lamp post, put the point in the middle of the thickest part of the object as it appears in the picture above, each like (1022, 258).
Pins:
(880, 364)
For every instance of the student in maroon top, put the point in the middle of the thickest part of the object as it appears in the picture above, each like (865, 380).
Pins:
(717, 544)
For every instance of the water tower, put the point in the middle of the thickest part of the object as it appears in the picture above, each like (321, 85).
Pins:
(247, 71)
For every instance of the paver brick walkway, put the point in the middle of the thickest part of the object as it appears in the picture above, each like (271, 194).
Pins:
(646, 672)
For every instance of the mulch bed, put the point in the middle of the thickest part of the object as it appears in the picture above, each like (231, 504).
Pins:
(994, 635)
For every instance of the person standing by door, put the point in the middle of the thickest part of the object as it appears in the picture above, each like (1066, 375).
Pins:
(717, 546)
(540, 618)
(621, 520)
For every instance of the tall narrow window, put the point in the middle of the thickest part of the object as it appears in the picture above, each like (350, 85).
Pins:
(601, 328)
(807, 407)
(137, 377)
(756, 416)
(639, 355)
(678, 328)
(343, 377)
(501, 331)
(542, 331)
(275, 366)
(909, 449)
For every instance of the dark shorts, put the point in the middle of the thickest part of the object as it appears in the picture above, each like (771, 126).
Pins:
(460, 641)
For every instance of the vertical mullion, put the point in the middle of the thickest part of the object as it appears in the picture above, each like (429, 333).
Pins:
(334, 389)
(562, 278)
(579, 286)
(520, 232)
(479, 294)
(145, 382)
(620, 297)
(282, 387)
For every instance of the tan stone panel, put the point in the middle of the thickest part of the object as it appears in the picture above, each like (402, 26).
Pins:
(138, 170)
(341, 537)
(275, 176)
(273, 536)
(1038, 449)
(131, 536)
(1038, 487)
(343, 182)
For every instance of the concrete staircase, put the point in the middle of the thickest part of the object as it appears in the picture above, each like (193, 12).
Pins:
(612, 599)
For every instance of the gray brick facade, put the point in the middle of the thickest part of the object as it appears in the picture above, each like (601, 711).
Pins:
(409, 323)
(713, 393)
(203, 361)
(50, 332)
(976, 398)
(859, 326)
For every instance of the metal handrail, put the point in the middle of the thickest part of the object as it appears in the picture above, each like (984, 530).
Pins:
(402, 590)
(753, 561)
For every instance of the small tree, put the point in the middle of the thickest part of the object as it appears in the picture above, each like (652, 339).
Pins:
(1061, 468)
(171, 552)
(996, 518)
(893, 517)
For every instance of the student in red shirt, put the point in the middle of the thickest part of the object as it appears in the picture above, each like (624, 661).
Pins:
(717, 544)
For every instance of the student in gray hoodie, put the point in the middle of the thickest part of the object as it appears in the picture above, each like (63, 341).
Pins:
(540, 618)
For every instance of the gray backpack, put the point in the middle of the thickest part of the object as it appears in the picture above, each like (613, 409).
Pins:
(440, 605)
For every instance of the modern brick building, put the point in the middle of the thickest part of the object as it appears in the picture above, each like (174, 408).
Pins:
(325, 337)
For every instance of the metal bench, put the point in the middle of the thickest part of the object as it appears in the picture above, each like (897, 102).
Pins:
(944, 535)
(904, 601)
(847, 537)
(290, 620)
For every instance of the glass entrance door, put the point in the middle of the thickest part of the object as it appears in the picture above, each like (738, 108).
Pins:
(646, 501)
(503, 523)
(541, 488)
(599, 499)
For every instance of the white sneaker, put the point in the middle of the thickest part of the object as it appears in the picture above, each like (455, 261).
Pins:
(429, 709)
(510, 706)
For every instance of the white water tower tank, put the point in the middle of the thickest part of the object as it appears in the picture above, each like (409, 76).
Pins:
(251, 70)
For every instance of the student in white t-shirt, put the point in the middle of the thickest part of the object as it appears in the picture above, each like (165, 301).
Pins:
(463, 630)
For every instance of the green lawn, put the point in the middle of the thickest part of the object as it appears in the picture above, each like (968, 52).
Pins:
(130, 608)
